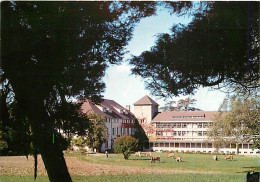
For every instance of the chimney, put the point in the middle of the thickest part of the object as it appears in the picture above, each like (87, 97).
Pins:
(127, 107)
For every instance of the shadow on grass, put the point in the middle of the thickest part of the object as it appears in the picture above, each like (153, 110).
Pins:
(252, 168)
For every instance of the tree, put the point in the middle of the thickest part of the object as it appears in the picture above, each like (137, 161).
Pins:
(185, 104)
(182, 105)
(97, 132)
(207, 52)
(168, 106)
(3, 144)
(14, 127)
(237, 124)
(52, 52)
(126, 145)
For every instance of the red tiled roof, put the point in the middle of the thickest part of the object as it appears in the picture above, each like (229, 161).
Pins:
(146, 100)
(185, 116)
(90, 107)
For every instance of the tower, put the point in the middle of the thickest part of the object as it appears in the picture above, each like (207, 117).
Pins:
(145, 109)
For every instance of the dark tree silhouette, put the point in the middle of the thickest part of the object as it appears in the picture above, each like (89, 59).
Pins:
(219, 48)
(53, 51)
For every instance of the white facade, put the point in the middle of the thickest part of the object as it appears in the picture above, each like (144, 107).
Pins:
(115, 129)
(118, 120)
(182, 131)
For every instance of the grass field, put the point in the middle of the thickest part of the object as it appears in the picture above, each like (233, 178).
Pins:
(196, 167)
(191, 162)
(139, 177)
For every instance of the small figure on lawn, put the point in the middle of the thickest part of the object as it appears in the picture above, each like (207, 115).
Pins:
(106, 154)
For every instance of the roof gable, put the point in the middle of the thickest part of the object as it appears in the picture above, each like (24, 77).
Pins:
(146, 100)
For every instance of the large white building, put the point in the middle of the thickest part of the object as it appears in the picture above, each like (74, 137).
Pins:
(119, 120)
(183, 131)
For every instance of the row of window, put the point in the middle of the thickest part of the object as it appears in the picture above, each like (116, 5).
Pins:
(120, 120)
(182, 133)
(198, 145)
(182, 145)
(122, 131)
(200, 116)
(183, 125)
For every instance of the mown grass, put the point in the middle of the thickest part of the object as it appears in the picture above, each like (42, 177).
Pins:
(191, 162)
(139, 177)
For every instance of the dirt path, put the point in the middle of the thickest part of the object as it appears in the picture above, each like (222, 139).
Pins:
(18, 165)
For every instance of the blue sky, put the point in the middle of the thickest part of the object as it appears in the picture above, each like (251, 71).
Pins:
(126, 89)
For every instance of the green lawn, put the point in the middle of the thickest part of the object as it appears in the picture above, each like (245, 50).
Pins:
(192, 162)
(232, 171)
(139, 177)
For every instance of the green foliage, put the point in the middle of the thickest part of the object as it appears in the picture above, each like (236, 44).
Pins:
(52, 52)
(125, 145)
(182, 105)
(96, 133)
(3, 144)
(15, 135)
(207, 52)
(240, 123)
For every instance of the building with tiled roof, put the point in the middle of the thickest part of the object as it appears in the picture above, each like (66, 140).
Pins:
(146, 100)
(119, 120)
(184, 131)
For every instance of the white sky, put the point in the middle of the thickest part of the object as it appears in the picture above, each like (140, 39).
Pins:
(126, 89)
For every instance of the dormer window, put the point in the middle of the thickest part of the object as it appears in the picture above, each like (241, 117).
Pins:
(104, 109)
(109, 110)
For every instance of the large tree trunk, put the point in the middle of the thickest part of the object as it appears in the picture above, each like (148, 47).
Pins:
(50, 151)
(54, 162)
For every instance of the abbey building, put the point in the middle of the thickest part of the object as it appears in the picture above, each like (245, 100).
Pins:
(182, 131)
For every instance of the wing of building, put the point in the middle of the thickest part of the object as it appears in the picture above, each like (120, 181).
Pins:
(183, 131)
(119, 120)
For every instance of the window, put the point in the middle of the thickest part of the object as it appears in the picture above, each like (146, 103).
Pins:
(183, 133)
(117, 130)
(158, 133)
(174, 125)
(113, 131)
(179, 125)
(174, 133)
(184, 125)
(199, 133)
(205, 125)
(179, 133)
(199, 125)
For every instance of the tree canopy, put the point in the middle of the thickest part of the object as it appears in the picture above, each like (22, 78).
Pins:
(219, 49)
(237, 121)
(126, 145)
(52, 52)
(182, 105)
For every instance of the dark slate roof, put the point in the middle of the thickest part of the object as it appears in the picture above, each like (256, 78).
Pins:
(146, 100)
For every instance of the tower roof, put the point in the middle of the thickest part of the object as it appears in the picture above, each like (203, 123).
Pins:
(146, 100)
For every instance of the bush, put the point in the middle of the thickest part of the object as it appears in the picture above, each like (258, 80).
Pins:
(125, 145)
